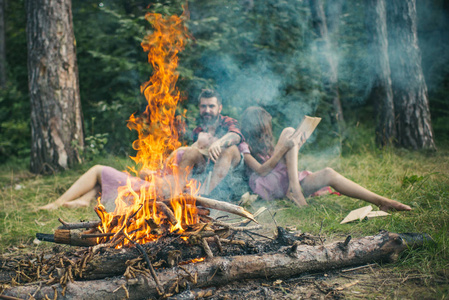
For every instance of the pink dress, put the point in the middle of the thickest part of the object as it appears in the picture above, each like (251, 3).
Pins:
(274, 185)
(111, 180)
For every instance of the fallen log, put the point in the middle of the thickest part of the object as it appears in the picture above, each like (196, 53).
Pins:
(112, 262)
(293, 261)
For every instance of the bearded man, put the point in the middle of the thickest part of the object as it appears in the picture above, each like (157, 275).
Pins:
(215, 141)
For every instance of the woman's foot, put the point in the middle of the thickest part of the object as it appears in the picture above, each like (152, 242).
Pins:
(297, 198)
(77, 203)
(50, 206)
(394, 205)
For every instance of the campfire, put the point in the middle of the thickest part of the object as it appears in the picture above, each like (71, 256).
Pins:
(157, 208)
(145, 215)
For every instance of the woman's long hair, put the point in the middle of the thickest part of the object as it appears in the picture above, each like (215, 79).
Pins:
(256, 128)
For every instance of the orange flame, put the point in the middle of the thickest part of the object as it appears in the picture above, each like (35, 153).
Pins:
(192, 261)
(139, 212)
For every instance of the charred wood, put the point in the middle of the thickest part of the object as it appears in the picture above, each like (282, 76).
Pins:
(291, 261)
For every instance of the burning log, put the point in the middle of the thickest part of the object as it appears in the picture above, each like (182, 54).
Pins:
(162, 207)
(225, 206)
(166, 252)
(292, 261)
(201, 211)
(72, 233)
(74, 237)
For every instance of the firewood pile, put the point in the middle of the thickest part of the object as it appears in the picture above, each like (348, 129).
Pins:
(170, 249)
(204, 230)
(207, 254)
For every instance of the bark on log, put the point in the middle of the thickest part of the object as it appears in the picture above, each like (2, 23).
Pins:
(87, 224)
(112, 262)
(217, 271)
(73, 237)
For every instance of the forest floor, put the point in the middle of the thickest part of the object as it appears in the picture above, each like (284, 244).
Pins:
(418, 179)
(371, 282)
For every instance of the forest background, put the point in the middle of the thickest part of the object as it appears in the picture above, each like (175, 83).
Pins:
(253, 53)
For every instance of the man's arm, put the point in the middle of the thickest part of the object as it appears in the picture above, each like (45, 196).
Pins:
(228, 140)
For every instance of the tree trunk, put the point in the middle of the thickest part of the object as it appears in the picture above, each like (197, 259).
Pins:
(218, 271)
(328, 63)
(381, 90)
(333, 14)
(56, 117)
(411, 103)
(2, 44)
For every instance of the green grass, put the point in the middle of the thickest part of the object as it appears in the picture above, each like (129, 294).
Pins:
(419, 179)
(22, 192)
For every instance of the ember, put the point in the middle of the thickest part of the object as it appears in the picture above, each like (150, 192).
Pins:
(195, 260)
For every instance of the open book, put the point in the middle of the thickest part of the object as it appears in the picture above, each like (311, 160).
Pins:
(362, 213)
(307, 126)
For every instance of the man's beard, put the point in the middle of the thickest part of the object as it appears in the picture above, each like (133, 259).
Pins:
(208, 119)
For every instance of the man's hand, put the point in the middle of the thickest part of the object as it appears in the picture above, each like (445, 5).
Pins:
(215, 150)
(205, 140)
(229, 139)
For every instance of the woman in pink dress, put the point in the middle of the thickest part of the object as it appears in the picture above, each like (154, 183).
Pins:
(274, 168)
(98, 180)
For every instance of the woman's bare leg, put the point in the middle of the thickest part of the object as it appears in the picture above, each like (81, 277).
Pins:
(85, 184)
(294, 192)
(329, 177)
(84, 200)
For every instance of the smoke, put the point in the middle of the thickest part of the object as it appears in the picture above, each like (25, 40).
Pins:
(433, 38)
(242, 86)
(358, 67)
(264, 55)
(267, 54)
(253, 61)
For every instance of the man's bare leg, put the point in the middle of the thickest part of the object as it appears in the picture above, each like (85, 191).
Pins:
(191, 158)
(329, 177)
(85, 184)
(229, 158)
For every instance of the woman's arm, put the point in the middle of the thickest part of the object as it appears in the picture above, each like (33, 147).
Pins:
(286, 141)
(268, 166)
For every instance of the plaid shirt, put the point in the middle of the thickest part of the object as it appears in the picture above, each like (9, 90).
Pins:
(225, 125)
